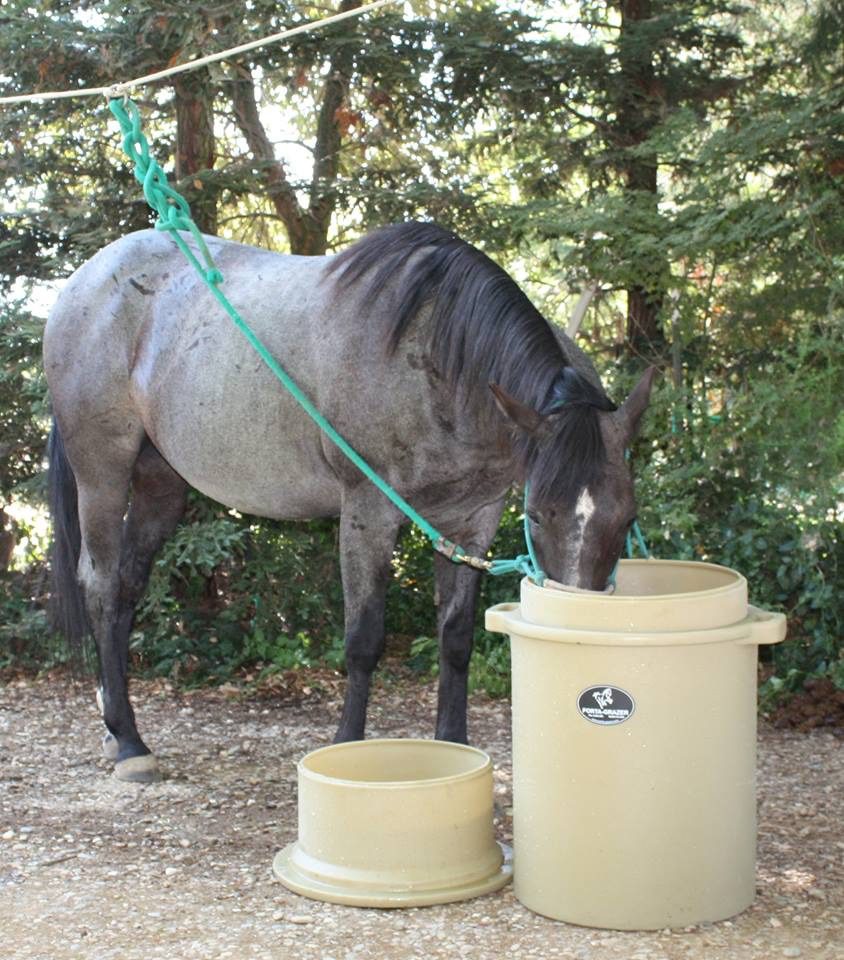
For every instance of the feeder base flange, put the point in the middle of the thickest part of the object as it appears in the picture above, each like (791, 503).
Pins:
(285, 869)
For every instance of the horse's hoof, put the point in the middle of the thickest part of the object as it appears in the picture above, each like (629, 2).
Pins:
(110, 747)
(138, 769)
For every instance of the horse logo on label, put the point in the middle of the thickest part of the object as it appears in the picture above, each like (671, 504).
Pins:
(605, 705)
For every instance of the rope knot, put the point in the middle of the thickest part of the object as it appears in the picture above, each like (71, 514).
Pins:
(119, 91)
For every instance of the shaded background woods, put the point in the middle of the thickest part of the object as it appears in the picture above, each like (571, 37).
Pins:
(684, 159)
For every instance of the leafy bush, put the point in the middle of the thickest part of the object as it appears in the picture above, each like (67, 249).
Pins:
(757, 487)
(227, 591)
(26, 641)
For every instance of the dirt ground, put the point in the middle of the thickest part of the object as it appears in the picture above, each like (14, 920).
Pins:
(94, 868)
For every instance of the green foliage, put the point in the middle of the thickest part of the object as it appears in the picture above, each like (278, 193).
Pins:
(757, 488)
(227, 592)
(26, 640)
(489, 669)
(23, 400)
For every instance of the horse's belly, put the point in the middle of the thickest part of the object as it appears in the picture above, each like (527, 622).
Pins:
(224, 423)
(252, 466)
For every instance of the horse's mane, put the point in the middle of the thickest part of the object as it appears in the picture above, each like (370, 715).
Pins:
(483, 327)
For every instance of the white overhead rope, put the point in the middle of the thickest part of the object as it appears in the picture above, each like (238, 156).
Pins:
(123, 89)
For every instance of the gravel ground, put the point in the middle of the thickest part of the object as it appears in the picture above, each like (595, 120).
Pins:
(94, 868)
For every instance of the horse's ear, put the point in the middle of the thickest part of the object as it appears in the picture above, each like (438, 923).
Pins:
(630, 413)
(522, 415)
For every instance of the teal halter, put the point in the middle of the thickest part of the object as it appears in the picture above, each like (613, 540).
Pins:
(536, 572)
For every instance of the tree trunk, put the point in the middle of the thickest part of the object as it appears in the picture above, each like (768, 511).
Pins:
(643, 329)
(638, 115)
(329, 137)
(281, 194)
(7, 543)
(307, 228)
(195, 145)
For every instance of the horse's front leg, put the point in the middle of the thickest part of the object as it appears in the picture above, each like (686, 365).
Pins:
(457, 594)
(369, 526)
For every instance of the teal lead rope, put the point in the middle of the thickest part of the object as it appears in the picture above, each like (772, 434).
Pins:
(174, 215)
(636, 531)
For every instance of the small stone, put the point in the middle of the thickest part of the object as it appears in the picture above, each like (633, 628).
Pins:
(171, 871)
(184, 842)
(9, 835)
(774, 922)
(299, 919)
(817, 893)
(278, 915)
(792, 952)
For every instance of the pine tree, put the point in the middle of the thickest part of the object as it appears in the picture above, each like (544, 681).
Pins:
(615, 77)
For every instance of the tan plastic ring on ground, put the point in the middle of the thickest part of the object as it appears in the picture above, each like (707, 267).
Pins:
(394, 823)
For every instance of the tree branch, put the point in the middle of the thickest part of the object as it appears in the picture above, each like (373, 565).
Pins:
(282, 195)
(584, 118)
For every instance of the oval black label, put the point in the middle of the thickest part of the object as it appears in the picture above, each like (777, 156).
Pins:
(605, 704)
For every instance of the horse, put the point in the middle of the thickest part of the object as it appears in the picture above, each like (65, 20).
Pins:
(421, 351)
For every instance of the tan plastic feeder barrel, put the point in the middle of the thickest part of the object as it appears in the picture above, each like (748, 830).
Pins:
(634, 746)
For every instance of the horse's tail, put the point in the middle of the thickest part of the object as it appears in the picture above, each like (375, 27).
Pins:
(68, 604)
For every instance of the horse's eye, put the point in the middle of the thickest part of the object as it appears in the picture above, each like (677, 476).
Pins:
(533, 517)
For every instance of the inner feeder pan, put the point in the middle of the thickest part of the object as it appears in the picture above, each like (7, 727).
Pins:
(394, 823)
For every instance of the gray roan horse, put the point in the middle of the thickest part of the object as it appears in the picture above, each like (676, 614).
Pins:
(422, 352)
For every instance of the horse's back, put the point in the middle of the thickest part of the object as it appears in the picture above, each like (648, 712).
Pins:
(139, 342)
(138, 345)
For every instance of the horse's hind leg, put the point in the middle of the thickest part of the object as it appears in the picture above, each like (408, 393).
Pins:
(158, 502)
(113, 566)
(103, 472)
(369, 526)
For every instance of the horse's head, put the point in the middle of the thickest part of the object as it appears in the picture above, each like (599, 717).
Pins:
(580, 489)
